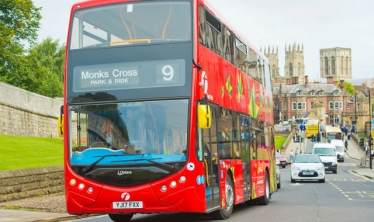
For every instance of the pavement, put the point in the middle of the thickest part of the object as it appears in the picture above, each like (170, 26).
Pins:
(353, 152)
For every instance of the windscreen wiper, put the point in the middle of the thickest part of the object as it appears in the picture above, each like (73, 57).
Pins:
(150, 160)
(88, 168)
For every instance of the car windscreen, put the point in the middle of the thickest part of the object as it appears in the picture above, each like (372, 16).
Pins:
(325, 151)
(307, 159)
(339, 148)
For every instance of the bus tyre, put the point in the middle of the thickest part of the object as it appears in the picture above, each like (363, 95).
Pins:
(264, 200)
(225, 213)
(120, 217)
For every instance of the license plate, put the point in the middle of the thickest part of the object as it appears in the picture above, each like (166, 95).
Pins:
(308, 173)
(128, 205)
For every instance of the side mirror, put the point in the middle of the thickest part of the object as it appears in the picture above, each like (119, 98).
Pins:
(60, 123)
(204, 116)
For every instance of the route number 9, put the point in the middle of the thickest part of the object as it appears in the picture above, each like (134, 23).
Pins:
(168, 72)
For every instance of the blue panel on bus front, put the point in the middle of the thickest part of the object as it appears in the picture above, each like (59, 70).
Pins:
(109, 156)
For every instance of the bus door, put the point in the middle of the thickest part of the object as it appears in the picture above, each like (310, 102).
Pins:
(245, 123)
(208, 144)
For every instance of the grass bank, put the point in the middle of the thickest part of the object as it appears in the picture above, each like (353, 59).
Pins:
(279, 141)
(19, 152)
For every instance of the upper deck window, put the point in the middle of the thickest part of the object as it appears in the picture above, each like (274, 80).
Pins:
(213, 21)
(241, 46)
(131, 23)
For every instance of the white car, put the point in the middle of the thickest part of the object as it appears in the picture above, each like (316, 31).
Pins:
(339, 144)
(307, 167)
(327, 153)
(278, 174)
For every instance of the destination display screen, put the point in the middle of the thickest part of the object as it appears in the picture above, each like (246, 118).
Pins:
(161, 73)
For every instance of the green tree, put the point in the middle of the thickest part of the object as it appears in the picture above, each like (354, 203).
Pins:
(19, 23)
(51, 55)
(349, 88)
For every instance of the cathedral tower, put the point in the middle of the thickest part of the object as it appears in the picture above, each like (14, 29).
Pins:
(272, 55)
(336, 63)
(294, 63)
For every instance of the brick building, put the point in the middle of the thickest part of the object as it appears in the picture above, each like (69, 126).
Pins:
(295, 100)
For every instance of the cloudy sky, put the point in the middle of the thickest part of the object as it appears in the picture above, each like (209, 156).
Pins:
(315, 24)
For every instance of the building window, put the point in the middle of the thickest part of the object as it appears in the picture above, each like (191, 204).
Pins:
(331, 119)
(336, 105)
(285, 106)
(299, 106)
(348, 106)
(333, 65)
(326, 66)
(304, 106)
(346, 66)
(336, 93)
(312, 93)
(311, 105)
(291, 69)
(331, 105)
(340, 105)
(299, 93)
(294, 106)
(320, 93)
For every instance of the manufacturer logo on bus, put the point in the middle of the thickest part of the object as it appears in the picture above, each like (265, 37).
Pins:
(124, 172)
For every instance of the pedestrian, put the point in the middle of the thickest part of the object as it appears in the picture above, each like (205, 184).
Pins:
(312, 137)
(318, 137)
(366, 149)
(346, 145)
(291, 156)
(297, 151)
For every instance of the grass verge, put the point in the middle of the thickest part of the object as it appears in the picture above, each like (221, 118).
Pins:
(19, 152)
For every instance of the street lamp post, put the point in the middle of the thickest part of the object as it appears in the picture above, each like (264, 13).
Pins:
(355, 125)
(370, 138)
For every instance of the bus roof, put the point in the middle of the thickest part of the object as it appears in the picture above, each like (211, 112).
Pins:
(207, 3)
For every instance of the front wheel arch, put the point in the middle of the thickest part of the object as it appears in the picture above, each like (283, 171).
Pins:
(223, 214)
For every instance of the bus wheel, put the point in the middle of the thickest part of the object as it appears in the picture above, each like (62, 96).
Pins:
(264, 200)
(225, 213)
(120, 217)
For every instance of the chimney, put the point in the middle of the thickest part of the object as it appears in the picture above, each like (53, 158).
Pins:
(330, 79)
(295, 80)
(306, 82)
(342, 85)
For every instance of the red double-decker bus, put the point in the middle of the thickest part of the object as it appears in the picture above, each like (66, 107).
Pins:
(167, 108)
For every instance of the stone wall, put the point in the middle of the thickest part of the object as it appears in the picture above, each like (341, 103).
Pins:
(19, 184)
(23, 113)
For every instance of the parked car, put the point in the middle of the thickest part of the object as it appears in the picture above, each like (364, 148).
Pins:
(307, 167)
(278, 175)
(282, 160)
